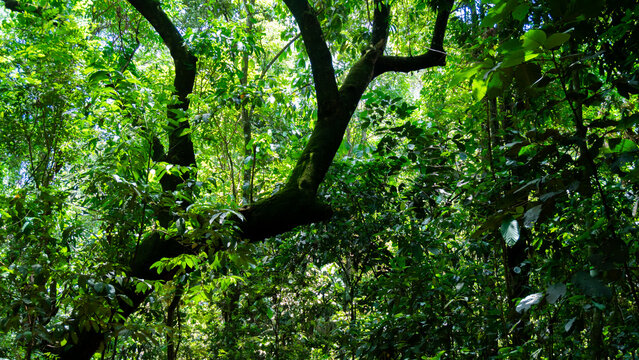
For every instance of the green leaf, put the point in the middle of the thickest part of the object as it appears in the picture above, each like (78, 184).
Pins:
(479, 88)
(534, 39)
(497, 13)
(530, 54)
(521, 12)
(141, 287)
(527, 150)
(510, 231)
(619, 145)
(510, 45)
(190, 261)
(495, 85)
(556, 40)
(465, 75)
(513, 58)
(98, 76)
(183, 132)
(531, 216)
(599, 306)
(554, 292)
(591, 286)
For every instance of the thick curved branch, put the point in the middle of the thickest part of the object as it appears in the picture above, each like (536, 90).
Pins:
(281, 213)
(360, 76)
(185, 62)
(318, 53)
(180, 145)
(381, 22)
(410, 63)
(436, 56)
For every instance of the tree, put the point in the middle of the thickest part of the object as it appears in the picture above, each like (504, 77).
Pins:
(295, 203)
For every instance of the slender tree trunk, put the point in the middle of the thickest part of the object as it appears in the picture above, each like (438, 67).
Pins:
(597, 348)
(171, 320)
(245, 115)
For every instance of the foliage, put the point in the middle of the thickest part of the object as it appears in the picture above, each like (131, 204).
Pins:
(485, 209)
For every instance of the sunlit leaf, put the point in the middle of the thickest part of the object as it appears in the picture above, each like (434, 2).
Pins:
(556, 40)
(459, 77)
(479, 88)
(534, 39)
(526, 303)
(510, 231)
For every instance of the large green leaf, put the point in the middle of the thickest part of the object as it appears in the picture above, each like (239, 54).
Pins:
(556, 40)
(513, 58)
(459, 77)
(554, 292)
(510, 231)
(479, 87)
(591, 286)
(521, 12)
(498, 13)
(533, 39)
(531, 216)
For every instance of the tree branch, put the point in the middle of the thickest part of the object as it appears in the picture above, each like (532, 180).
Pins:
(435, 56)
(180, 150)
(280, 213)
(296, 204)
(381, 23)
(279, 53)
(318, 53)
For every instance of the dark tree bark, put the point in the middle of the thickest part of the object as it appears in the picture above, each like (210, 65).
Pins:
(172, 316)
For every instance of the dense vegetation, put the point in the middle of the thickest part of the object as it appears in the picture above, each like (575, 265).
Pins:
(373, 179)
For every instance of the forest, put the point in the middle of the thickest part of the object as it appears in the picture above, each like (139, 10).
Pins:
(319, 179)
